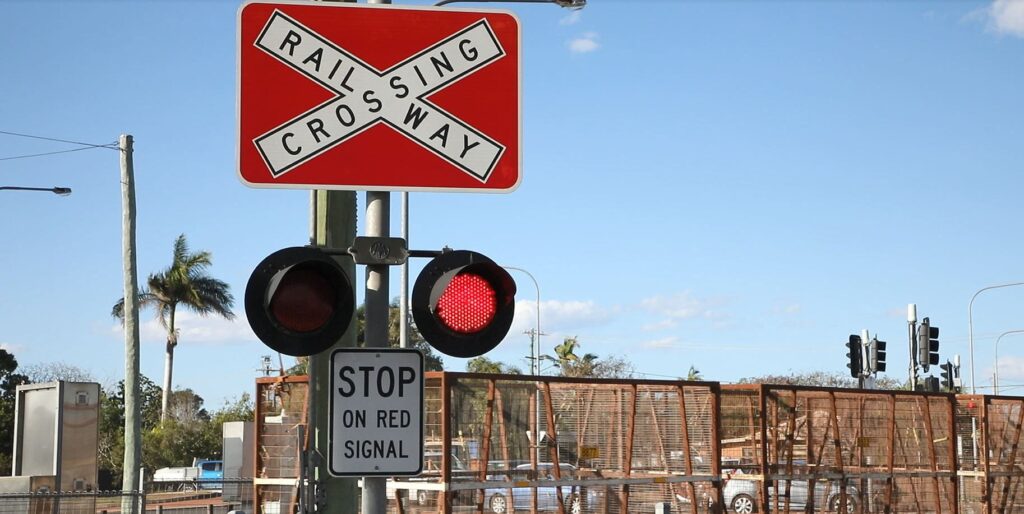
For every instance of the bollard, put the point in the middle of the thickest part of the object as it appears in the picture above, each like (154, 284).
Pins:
(662, 508)
(209, 509)
(159, 509)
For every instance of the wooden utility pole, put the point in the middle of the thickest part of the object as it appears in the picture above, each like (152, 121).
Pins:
(132, 425)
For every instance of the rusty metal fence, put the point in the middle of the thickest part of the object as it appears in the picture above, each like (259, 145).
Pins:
(281, 409)
(563, 445)
(990, 426)
(789, 449)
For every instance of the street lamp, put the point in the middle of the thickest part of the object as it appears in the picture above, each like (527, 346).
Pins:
(970, 325)
(535, 347)
(995, 381)
(61, 191)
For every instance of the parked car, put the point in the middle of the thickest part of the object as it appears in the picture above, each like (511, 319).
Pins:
(498, 500)
(740, 495)
(431, 474)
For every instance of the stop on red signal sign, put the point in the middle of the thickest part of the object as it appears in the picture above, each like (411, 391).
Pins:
(386, 98)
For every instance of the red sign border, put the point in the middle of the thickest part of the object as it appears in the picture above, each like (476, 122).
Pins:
(349, 187)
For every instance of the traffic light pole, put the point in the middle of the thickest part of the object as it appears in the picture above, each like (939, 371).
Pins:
(378, 209)
(911, 328)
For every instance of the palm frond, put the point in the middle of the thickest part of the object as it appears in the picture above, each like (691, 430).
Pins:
(212, 295)
(145, 299)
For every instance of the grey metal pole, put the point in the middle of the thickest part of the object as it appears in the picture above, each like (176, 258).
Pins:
(970, 325)
(132, 425)
(403, 295)
(378, 208)
(995, 380)
(912, 329)
(378, 218)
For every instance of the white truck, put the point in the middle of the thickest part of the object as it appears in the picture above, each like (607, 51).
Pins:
(202, 474)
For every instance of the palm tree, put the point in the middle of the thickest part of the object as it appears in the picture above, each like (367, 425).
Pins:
(185, 283)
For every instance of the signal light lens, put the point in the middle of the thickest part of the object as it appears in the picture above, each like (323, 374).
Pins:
(303, 300)
(463, 303)
(299, 301)
(468, 304)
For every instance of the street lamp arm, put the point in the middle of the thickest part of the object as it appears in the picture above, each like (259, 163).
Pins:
(995, 381)
(970, 325)
(535, 362)
(62, 191)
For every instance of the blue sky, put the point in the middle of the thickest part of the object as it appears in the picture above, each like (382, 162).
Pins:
(731, 185)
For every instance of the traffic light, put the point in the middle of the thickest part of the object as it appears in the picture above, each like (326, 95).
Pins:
(463, 303)
(947, 376)
(927, 345)
(854, 354)
(877, 359)
(299, 301)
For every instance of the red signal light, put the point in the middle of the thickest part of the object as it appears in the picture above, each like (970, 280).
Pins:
(299, 301)
(463, 303)
(468, 304)
(303, 300)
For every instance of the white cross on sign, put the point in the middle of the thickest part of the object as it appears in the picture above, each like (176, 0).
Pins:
(365, 96)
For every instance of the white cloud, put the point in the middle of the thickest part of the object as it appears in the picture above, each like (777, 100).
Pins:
(559, 316)
(789, 309)
(1011, 370)
(664, 324)
(571, 19)
(684, 306)
(1007, 17)
(661, 344)
(195, 329)
(584, 44)
(12, 348)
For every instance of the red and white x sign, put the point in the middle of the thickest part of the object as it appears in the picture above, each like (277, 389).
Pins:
(386, 98)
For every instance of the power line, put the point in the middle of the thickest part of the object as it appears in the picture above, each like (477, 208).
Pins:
(84, 146)
(50, 153)
(108, 145)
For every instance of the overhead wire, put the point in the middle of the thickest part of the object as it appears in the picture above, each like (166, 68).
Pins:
(84, 146)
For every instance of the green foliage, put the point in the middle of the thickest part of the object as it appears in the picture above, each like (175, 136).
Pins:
(111, 443)
(9, 381)
(176, 441)
(484, 365)
(588, 365)
(694, 374)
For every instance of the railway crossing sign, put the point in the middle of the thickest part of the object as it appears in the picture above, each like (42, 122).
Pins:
(376, 412)
(383, 98)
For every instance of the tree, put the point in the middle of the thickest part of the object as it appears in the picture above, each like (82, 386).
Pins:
(111, 443)
(589, 364)
(484, 365)
(185, 283)
(694, 374)
(53, 371)
(9, 382)
(820, 379)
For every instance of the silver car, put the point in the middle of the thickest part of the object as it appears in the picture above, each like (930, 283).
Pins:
(740, 495)
(498, 500)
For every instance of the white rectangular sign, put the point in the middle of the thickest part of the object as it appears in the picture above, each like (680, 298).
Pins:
(376, 412)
